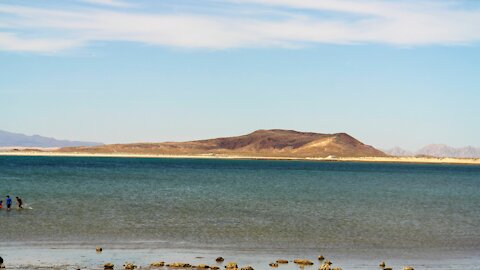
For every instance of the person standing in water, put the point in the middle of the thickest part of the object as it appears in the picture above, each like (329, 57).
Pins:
(19, 202)
(1, 204)
(9, 202)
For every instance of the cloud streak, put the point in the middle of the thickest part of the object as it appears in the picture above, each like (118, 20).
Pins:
(301, 22)
(111, 3)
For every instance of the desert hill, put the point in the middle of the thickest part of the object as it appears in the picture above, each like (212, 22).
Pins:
(261, 143)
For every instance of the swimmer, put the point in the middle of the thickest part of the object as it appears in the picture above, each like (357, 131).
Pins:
(19, 202)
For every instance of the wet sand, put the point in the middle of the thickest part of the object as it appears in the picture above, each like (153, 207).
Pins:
(20, 257)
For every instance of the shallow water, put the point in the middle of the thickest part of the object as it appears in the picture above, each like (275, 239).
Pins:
(357, 212)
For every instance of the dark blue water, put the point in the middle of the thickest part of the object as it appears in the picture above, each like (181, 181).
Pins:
(241, 204)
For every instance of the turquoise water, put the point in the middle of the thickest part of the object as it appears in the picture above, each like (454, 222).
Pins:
(353, 209)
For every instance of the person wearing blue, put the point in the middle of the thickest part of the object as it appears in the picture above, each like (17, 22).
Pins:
(9, 202)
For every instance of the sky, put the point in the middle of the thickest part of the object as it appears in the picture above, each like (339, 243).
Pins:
(390, 73)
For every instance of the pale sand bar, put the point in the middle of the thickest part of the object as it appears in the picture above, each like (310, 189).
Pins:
(427, 160)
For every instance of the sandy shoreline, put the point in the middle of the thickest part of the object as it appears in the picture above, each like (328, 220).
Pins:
(423, 160)
(27, 258)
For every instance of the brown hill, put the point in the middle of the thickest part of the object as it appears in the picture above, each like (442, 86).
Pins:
(261, 143)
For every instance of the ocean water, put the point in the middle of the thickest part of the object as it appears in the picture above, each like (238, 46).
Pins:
(357, 213)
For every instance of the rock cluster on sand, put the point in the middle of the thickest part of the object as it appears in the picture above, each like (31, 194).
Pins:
(129, 266)
(179, 265)
(383, 264)
(157, 264)
(324, 264)
(231, 265)
(303, 262)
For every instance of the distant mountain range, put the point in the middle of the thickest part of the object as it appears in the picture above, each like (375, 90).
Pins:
(10, 139)
(438, 150)
(264, 143)
(261, 143)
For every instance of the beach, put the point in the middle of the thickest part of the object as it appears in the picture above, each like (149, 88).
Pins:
(392, 159)
(87, 258)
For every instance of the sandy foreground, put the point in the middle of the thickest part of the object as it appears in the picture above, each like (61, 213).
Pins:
(427, 160)
(72, 259)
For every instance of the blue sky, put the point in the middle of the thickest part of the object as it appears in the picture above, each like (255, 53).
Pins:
(390, 73)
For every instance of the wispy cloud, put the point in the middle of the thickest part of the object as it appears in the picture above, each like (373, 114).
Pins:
(297, 23)
(11, 42)
(112, 3)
